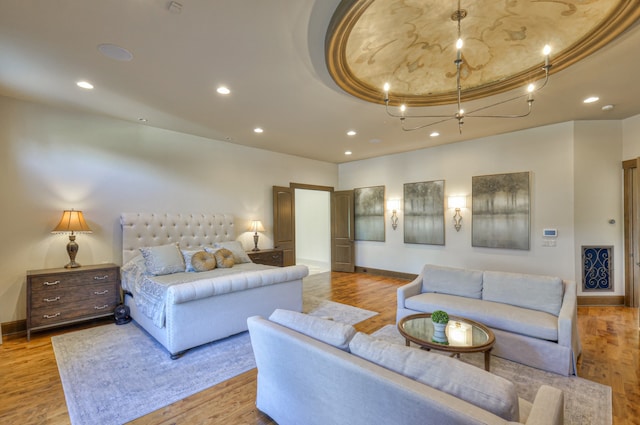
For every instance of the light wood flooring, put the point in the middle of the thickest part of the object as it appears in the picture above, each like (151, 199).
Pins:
(31, 391)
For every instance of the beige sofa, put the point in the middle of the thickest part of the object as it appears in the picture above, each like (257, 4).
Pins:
(315, 371)
(534, 317)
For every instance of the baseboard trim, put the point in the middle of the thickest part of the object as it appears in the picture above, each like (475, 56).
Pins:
(386, 273)
(613, 300)
(10, 328)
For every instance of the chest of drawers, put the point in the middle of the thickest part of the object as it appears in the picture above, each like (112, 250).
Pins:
(58, 297)
(268, 257)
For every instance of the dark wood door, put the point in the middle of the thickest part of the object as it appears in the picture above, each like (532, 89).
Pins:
(284, 229)
(343, 256)
(632, 232)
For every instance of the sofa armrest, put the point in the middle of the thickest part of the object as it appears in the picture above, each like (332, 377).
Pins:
(409, 290)
(568, 322)
(567, 318)
(548, 407)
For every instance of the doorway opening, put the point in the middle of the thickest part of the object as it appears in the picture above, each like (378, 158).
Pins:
(313, 229)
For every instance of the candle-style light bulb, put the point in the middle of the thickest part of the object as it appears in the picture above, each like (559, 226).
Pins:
(545, 52)
(459, 48)
(530, 88)
(403, 108)
(386, 91)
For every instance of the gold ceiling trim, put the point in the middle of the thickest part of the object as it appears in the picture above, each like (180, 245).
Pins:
(349, 12)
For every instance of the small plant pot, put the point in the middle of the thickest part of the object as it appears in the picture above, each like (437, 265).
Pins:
(439, 334)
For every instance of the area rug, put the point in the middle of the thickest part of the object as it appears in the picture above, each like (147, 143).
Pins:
(585, 402)
(114, 374)
(335, 311)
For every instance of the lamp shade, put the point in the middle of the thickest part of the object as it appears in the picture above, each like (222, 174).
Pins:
(256, 226)
(72, 222)
(393, 204)
(457, 202)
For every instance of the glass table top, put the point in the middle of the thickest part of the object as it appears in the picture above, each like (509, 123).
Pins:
(460, 332)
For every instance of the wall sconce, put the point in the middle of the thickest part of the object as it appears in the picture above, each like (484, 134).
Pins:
(72, 221)
(457, 202)
(393, 205)
(256, 226)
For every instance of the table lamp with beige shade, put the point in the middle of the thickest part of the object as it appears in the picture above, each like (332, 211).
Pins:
(256, 226)
(72, 222)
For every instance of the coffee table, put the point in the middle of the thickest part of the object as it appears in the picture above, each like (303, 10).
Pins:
(463, 335)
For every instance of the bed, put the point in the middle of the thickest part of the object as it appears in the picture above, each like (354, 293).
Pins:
(185, 309)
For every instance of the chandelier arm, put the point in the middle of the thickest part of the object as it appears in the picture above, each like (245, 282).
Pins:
(449, 118)
(499, 103)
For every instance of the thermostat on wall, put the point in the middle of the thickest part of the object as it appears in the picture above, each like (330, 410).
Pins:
(550, 233)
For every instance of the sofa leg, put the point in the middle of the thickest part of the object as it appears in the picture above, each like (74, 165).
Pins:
(176, 356)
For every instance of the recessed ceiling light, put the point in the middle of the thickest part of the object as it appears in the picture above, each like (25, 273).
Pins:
(84, 85)
(607, 107)
(258, 130)
(223, 90)
(115, 52)
(142, 119)
(434, 134)
(348, 152)
(591, 99)
(351, 133)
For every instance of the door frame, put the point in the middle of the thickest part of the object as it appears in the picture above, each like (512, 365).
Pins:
(631, 232)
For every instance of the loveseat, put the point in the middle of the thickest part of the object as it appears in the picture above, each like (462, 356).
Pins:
(533, 317)
(316, 371)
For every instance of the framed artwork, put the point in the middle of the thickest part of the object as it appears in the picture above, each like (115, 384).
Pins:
(424, 213)
(369, 213)
(500, 211)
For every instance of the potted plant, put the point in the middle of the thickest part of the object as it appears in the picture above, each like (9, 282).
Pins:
(439, 319)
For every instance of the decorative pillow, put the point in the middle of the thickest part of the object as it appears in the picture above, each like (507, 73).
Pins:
(472, 384)
(239, 255)
(224, 258)
(163, 259)
(203, 261)
(188, 254)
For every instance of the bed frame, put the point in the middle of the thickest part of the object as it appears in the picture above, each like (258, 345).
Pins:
(194, 318)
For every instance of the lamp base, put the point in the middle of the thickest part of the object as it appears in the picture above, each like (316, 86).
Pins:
(72, 250)
(255, 242)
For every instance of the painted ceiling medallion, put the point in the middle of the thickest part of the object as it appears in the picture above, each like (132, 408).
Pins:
(411, 44)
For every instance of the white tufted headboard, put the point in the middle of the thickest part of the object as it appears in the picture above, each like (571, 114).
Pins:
(190, 230)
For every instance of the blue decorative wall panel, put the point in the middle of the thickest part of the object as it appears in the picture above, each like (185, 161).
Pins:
(597, 269)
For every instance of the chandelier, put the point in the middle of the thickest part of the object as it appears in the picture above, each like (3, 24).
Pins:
(460, 114)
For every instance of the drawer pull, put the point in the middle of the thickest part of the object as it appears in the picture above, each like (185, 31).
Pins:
(51, 283)
(46, 316)
(106, 291)
(101, 308)
(50, 300)
(106, 276)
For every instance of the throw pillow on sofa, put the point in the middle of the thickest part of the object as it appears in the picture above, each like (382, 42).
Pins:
(474, 385)
(330, 332)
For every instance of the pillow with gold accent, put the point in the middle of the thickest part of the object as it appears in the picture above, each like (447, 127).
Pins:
(203, 261)
(224, 258)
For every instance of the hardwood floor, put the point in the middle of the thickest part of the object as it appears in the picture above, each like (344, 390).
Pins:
(31, 391)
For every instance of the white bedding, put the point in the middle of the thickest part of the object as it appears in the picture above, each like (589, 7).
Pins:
(150, 292)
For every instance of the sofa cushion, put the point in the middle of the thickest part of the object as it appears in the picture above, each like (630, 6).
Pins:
(452, 281)
(542, 293)
(330, 332)
(533, 323)
(464, 381)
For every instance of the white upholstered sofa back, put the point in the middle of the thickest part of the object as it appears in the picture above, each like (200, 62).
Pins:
(190, 230)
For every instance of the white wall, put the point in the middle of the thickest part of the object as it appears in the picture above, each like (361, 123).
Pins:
(631, 138)
(599, 195)
(313, 225)
(52, 159)
(546, 152)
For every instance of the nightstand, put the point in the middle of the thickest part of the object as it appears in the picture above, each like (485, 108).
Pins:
(57, 297)
(268, 257)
